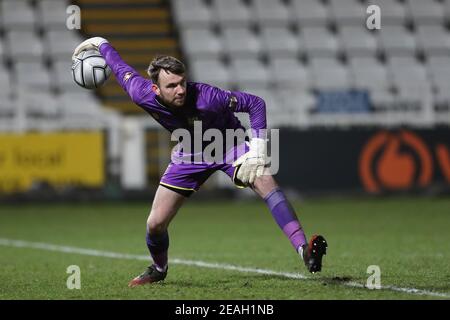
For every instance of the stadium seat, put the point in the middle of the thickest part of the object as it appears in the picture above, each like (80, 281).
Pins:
(318, 41)
(62, 73)
(8, 106)
(446, 9)
(393, 11)
(309, 13)
(417, 90)
(409, 77)
(52, 13)
(443, 98)
(402, 62)
(368, 73)
(422, 12)
(5, 80)
(329, 74)
(345, 12)
(39, 104)
(290, 73)
(438, 69)
(396, 40)
(381, 99)
(241, 42)
(231, 13)
(32, 75)
(17, 14)
(279, 42)
(200, 43)
(437, 63)
(7, 110)
(268, 96)
(270, 13)
(78, 103)
(284, 106)
(433, 39)
(296, 102)
(61, 43)
(357, 40)
(24, 45)
(191, 13)
(249, 73)
(74, 96)
(84, 111)
(2, 51)
(414, 95)
(210, 71)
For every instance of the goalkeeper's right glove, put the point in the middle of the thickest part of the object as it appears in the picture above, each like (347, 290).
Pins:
(89, 44)
(251, 164)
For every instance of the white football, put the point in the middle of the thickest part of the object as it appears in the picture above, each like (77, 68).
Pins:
(89, 69)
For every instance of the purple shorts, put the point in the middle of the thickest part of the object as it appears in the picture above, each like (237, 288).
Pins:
(186, 178)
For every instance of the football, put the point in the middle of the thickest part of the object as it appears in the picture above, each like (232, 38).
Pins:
(89, 69)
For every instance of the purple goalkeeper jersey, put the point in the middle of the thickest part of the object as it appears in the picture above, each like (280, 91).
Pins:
(212, 106)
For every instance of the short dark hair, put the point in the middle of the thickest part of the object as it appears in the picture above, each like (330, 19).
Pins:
(167, 63)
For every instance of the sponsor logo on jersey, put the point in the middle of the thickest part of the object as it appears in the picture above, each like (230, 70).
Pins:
(127, 76)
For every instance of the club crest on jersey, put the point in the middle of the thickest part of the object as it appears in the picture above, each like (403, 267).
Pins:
(127, 76)
(233, 103)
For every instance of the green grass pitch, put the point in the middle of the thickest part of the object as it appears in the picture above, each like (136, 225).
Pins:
(408, 238)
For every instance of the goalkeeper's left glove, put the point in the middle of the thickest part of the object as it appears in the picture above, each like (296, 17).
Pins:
(89, 44)
(252, 163)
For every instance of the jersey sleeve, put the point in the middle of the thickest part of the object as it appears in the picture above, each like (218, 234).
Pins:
(256, 109)
(136, 86)
(236, 101)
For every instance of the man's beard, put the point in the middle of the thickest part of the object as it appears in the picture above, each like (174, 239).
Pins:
(174, 104)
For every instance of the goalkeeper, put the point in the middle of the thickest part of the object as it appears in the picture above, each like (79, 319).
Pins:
(175, 103)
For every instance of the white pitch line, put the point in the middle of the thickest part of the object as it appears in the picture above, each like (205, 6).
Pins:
(201, 264)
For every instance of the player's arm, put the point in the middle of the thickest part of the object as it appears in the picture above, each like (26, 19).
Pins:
(129, 79)
(256, 109)
(251, 164)
(236, 101)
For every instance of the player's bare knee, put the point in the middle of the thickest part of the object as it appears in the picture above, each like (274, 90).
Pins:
(149, 222)
(156, 227)
(264, 184)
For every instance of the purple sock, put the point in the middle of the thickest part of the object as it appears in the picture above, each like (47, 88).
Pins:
(285, 217)
(158, 245)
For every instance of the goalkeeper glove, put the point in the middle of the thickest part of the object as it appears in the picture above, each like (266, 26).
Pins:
(252, 163)
(89, 44)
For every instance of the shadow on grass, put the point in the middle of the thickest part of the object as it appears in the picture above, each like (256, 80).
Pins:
(196, 283)
(245, 280)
